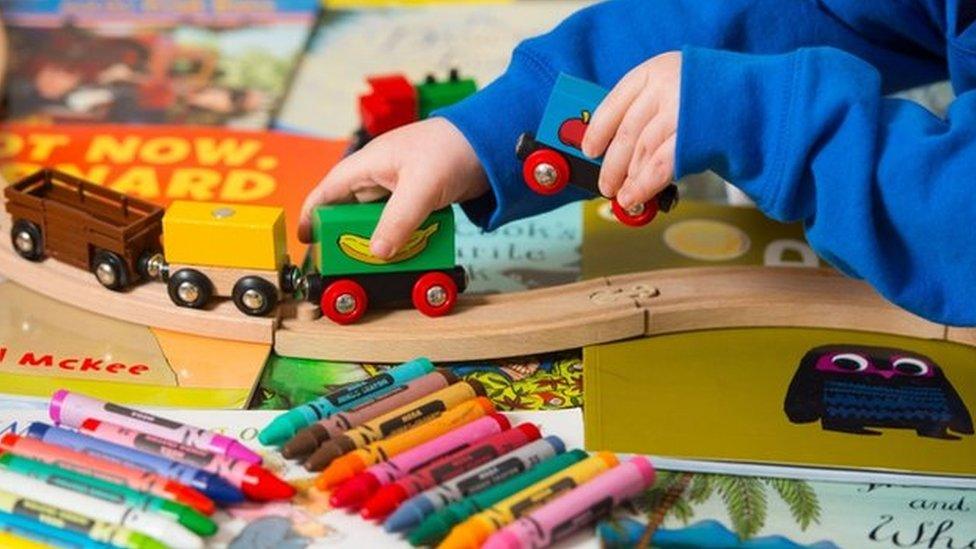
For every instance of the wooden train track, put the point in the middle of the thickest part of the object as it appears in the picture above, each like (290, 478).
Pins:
(535, 321)
(612, 309)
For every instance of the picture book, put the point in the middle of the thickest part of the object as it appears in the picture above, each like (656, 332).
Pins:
(202, 63)
(46, 345)
(166, 163)
(694, 234)
(800, 402)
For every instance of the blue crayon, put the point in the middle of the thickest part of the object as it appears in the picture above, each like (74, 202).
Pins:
(413, 511)
(211, 485)
(286, 425)
(34, 530)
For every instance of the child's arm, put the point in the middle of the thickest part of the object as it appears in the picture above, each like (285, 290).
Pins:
(886, 189)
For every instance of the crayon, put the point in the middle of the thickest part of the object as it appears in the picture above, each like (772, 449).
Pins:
(213, 486)
(106, 470)
(308, 439)
(256, 482)
(355, 462)
(31, 529)
(356, 490)
(52, 515)
(443, 469)
(577, 508)
(436, 526)
(72, 409)
(28, 488)
(13, 541)
(396, 421)
(474, 531)
(115, 493)
(413, 511)
(286, 425)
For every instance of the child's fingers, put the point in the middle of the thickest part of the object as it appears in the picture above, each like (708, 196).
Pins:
(337, 186)
(407, 208)
(654, 176)
(617, 158)
(652, 136)
(605, 120)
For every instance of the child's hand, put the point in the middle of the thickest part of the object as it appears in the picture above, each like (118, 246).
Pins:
(639, 122)
(423, 167)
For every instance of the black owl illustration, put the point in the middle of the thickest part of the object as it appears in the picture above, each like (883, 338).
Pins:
(851, 387)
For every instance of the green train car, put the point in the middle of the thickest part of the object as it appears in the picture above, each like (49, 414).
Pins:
(346, 279)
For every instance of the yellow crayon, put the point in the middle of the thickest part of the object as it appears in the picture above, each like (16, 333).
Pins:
(10, 541)
(354, 462)
(397, 421)
(473, 532)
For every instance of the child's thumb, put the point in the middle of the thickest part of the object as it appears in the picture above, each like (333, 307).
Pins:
(403, 214)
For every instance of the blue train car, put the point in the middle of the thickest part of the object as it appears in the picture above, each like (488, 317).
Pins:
(552, 159)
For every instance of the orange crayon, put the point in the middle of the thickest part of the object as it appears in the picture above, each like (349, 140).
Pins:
(348, 465)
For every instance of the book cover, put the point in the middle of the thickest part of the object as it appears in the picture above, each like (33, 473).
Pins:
(694, 234)
(857, 403)
(198, 62)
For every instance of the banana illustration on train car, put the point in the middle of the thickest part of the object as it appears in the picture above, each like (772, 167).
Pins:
(232, 250)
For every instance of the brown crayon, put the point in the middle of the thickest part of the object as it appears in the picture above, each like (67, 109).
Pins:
(396, 421)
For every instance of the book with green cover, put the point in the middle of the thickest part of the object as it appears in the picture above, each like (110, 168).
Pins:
(824, 404)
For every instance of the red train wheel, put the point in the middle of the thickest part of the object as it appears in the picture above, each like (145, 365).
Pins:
(434, 294)
(545, 171)
(637, 217)
(344, 301)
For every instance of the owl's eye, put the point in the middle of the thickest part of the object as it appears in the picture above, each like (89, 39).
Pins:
(850, 362)
(911, 367)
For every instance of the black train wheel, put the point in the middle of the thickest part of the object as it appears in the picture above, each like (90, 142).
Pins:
(27, 240)
(255, 296)
(110, 270)
(189, 288)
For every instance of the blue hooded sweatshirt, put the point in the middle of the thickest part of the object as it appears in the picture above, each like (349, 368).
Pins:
(786, 100)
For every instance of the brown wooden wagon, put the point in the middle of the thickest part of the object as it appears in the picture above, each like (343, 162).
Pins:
(58, 215)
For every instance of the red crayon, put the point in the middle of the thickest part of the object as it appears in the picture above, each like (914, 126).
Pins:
(109, 471)
(390, 496)
(256, 482)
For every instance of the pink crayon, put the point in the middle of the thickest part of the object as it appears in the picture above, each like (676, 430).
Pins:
(359, 488)
(575, 509)
(73, 409)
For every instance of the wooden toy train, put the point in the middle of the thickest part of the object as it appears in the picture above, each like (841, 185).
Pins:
(229, 250)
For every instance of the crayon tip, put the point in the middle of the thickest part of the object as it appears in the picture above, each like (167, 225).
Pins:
(139, 540)
(221, 491)
(502, 540)
(323, 456)
(189, 496)
(470, 534)
(236, 450)
(384, 501)
(408, 515)
(354, 491)
(339, 471)
(280, 429)
(305, 441)
(266, 486)
(197, 523)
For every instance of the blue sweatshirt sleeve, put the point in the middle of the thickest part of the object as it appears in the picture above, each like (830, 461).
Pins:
(884, 187)
(605, 41)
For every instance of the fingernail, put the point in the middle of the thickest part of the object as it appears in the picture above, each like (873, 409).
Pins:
(624, 200)
(380, 248)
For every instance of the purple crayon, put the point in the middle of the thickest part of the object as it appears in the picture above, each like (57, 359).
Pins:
(575, 509)
(72, 409)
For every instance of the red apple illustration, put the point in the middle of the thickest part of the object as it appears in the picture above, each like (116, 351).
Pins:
(571, 131)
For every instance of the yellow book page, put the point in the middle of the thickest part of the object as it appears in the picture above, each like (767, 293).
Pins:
(724, 395)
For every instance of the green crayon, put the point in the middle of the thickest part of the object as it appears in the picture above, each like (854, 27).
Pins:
(188, 517)
(435, 527)
(49, 515)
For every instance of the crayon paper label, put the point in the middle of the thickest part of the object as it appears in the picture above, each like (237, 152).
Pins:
(490, 477)
(356, 391)
(523, 507)
(53, 516)
(421, 413)
(167, 448)
(141, 416)
(599, 510)
(452, 468)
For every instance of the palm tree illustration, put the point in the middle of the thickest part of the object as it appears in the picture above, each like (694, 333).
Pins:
(745, 500)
